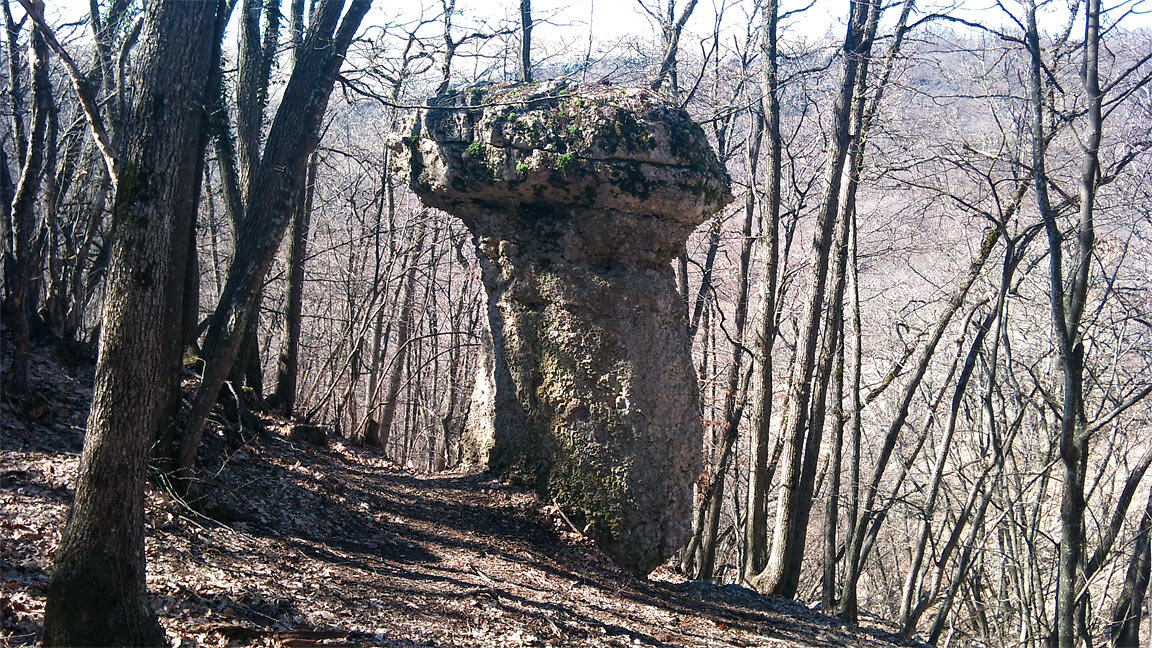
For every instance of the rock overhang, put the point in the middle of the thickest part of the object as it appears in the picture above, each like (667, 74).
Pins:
(568, 148)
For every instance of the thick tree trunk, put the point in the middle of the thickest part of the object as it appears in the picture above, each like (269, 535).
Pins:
(97, 594)
(248, 370)
(256, 55)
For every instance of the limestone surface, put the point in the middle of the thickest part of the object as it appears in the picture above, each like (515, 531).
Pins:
(578, 198)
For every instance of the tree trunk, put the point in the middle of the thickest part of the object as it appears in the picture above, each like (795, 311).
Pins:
(23, 268)
(865, 511)
(287, 370)
(1124, 630)
(526, 41)
(756, 525)
(781, 576)
(908, 612)
(671, 27)
(403, 334)
(97, 594)
(1067, 309)
(291, 140)
(733, 403)
(836, 456)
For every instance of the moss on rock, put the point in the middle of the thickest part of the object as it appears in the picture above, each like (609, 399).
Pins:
(578, 199)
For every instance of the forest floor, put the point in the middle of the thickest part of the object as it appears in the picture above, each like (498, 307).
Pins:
(294, 545)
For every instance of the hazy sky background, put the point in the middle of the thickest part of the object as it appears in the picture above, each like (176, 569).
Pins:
(610, 20)
(565, 27)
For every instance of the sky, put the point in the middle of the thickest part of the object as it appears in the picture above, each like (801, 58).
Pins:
(609, 20)
(564, 25)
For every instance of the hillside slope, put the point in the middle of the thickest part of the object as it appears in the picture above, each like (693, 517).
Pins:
(299, 546)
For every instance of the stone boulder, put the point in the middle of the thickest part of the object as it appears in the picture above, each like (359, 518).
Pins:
(578, 198)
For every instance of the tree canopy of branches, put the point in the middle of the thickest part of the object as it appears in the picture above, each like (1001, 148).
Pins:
(921, 331)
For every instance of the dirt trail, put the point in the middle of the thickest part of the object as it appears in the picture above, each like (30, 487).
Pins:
(295, 546)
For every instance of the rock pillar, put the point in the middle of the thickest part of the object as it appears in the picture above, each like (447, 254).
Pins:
(578, 199)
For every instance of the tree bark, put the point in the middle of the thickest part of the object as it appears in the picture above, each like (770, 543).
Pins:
(22, 267)
(287, 370)
(526, 41)
(1124, 630)
(257, 54)
(97, 594)
(294, 135)
(781, 576)
(672, 28)
(756, 525)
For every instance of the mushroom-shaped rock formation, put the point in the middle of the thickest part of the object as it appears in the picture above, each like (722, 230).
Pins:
(578, 198)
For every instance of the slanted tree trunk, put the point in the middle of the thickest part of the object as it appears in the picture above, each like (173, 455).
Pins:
(864, 113)
(671, 27)
(294, 135)
(910, 609)
(831, 370)
(866, 515)
(97, 594)
(1124, 630)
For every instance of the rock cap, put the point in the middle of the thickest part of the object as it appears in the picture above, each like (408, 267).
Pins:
(597, 146)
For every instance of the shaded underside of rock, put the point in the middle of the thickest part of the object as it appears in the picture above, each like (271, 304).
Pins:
(578, 198)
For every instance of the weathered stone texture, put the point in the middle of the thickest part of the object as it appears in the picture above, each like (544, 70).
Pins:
(578, 199)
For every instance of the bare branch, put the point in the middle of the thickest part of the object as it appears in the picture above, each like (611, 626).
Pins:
(83, 92)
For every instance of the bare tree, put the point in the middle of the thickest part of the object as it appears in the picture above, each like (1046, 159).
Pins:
(782, 574)
(288, 367)
(1068, 302)
(21, 252)
(282, 170)
(526, 41)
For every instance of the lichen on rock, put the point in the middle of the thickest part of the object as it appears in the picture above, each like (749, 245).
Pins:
(578, 198)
